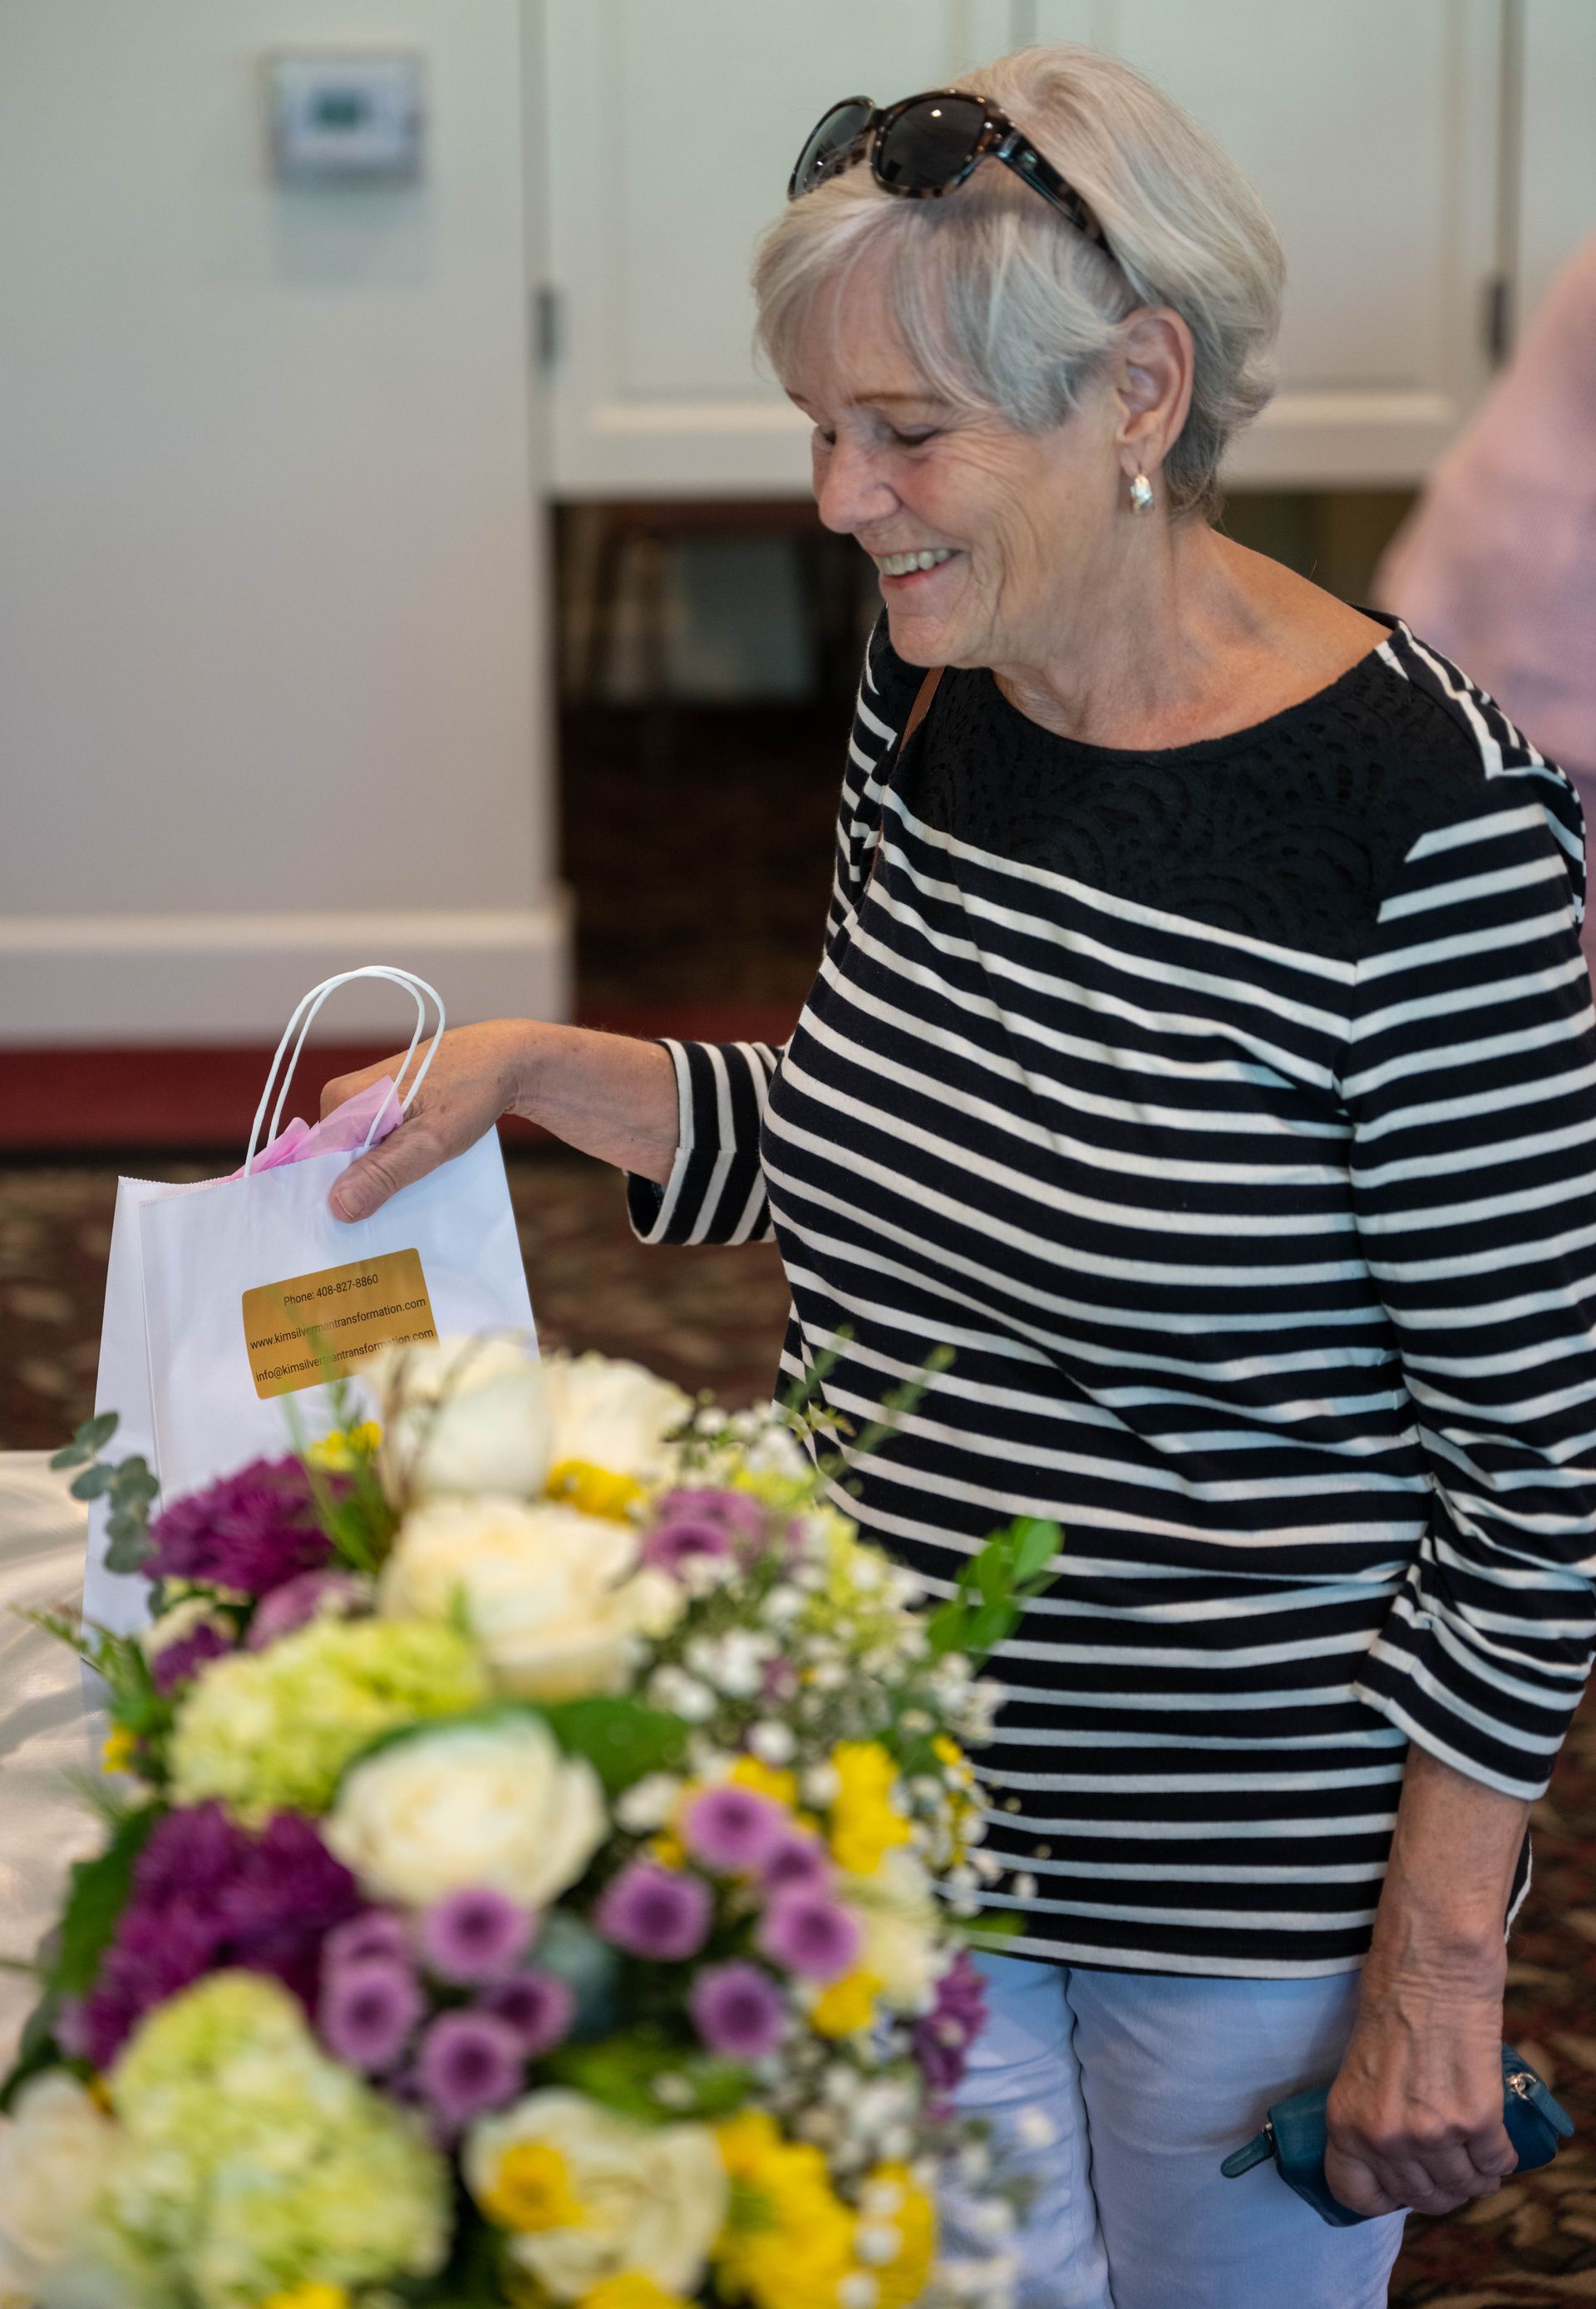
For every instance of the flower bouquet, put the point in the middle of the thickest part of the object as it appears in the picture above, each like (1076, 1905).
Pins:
(540, 1846)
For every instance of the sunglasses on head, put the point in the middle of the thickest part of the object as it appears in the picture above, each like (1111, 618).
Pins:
(926, 146)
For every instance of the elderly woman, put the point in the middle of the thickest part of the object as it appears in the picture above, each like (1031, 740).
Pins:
(1202, 1049)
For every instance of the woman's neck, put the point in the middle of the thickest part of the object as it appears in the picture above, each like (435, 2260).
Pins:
(1188, 635)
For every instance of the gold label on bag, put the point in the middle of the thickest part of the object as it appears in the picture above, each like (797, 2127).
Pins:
(319, 1326)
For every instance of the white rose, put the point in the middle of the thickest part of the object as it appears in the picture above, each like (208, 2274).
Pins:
(463, 1415)
(648, 2199)
(55, 2152)
(613, 1416)
(551, 1595)
(899, 1915)
(470, 1804)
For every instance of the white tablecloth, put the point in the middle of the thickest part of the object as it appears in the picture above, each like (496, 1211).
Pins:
(47, 1733)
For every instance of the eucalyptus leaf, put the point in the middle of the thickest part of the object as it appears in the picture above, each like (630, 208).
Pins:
(134, 1483)
(91, 1482)
(129, 1547)
(69, 1455)
(95, 1433)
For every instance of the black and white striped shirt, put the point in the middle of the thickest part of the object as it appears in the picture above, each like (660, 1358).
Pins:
(1231, 1112)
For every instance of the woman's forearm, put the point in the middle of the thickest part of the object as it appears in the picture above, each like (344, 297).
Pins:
(1415, 2115)
(1453, 1857)
(605, 1095)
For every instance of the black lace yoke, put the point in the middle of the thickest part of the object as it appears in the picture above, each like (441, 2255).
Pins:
(1288, 831)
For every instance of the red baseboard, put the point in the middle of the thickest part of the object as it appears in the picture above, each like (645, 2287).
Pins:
(187, 1097)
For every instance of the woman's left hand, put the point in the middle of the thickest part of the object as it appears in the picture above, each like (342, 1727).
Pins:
(1415, 2115)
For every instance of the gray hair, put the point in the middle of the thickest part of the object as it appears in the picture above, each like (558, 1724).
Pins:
(1003, 306)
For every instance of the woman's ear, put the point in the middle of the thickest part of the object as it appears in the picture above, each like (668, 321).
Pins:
(1153, 385)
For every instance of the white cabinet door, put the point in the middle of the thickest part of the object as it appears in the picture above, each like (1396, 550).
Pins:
(1371, 132)
(671, 128)
(1558, 195)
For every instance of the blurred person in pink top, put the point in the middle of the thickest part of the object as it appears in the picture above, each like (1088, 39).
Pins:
(1497, 565)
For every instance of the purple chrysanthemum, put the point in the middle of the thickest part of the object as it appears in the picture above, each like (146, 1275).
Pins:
(733, 1829)
(671, 1547)
(469, 2062)
(738, 2010)
(298, 1601)
(797, 1862)
(475, 1935)
(943, 2035)
(174, 1663)
(738, 1514)
(806, 1933)
(207, 1893)
(367, 2011)
(655, 1912)
(378, 1933)
(539, 2006)
(252, 1531)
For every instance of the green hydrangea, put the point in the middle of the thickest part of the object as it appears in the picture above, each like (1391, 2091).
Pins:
(250, 2163)
(273, 1730)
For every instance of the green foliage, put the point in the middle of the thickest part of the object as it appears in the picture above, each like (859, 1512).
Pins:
(87, 1444)
(129, 1489)
(627, 2074)
(621, 1739)
(97, 1894)
(137, 1705)
(994, 1587)
(37, 2049)
(353, 1510)
(473, 2277)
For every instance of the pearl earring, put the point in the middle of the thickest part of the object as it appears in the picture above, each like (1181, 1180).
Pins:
(1141, 494)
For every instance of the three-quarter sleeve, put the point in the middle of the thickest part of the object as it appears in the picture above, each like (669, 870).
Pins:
(715, 1192)
(1472, 1089)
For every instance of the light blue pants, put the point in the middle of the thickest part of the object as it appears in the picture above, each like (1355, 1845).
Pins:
(1145, 2083)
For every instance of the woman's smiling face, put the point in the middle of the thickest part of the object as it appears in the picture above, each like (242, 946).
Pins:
(985, 537)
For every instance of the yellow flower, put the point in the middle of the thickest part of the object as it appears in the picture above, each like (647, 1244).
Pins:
(336, 1453)
(896, 2207)
(847, 2006)
(531, 2190)
(764, 1780)
(309, 2296)
(788, 2242)
(630, 2290)
(120, 1748)
(593, 1491)
(865, 1825)
(617, 2198)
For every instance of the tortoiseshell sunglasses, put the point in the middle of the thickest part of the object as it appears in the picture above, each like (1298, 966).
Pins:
(927, 145)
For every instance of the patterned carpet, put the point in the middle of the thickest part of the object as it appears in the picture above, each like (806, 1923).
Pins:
(713, 1317)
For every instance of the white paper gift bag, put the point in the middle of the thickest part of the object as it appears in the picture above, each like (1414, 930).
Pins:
(229, 1301)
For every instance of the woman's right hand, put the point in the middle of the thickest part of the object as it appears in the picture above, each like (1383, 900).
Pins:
(476, 1075)
(605, 1093)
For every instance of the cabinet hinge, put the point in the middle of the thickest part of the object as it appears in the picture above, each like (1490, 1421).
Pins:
(1497, 317)
(545, 327)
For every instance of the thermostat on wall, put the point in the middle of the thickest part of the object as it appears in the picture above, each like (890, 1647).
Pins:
(345, 119)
